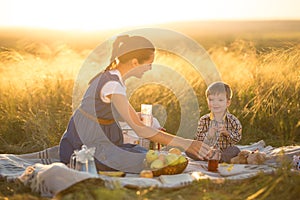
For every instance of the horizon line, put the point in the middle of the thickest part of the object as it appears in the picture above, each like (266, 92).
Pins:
(145, 25)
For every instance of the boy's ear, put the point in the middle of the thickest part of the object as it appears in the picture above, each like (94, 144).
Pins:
(228, 102)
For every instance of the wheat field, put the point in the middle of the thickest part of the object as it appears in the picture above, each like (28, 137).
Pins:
(260, 60)
(37, 81)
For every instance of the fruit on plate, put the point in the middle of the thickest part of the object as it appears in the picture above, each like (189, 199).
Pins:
(181, 159)
(175, 150)
(157, 164)
(162, 157)
(172, 159)
(151, 155)
(165, 162)
(146, 174)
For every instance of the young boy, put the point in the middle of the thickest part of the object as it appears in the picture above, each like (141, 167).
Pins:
(219, 128)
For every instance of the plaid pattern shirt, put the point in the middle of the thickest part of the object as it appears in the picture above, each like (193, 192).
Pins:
(232, 124)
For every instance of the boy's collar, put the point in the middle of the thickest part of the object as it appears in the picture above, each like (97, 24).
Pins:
(212, 117)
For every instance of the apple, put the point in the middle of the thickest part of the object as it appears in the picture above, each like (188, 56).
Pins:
(162, 157)
(172, 159)
(146, 174)
(151, 155)
(175, 150)
(181, 159)
(157, 164)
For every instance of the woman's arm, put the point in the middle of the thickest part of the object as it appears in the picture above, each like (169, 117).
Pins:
(124, 108)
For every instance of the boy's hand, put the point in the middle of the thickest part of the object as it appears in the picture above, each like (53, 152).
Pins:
(222, 130)
(212, 130)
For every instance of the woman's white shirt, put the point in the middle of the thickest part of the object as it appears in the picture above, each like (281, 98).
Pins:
(113, 87)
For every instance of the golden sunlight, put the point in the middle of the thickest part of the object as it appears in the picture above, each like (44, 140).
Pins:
(99, 15)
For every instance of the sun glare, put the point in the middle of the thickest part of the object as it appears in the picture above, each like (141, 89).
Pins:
(88, 15)
(99, 15)
(64, 15)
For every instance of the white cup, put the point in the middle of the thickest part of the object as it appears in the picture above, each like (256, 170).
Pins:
(146, 114)
(146, 109)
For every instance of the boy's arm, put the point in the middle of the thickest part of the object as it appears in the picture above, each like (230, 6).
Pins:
(201, 130)
(234, 133)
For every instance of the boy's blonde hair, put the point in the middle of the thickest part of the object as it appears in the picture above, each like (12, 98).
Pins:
(217, 88)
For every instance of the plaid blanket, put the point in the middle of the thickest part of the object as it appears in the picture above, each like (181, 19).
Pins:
(43, 172)
(12, 166)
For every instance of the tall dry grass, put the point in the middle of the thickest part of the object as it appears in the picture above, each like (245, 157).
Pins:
(37, 84)
(267, 89)
(36, 95)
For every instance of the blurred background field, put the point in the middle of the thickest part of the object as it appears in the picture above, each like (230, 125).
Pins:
(260, 60)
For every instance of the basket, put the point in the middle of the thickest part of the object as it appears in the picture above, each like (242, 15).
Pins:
(171, 170)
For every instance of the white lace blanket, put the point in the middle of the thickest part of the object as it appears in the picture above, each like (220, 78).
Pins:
(44, 174)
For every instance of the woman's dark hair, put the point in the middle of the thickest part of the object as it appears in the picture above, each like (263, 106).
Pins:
(127, 47)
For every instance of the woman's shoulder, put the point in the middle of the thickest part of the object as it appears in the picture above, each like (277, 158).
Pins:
(115, 75)
(112, 75)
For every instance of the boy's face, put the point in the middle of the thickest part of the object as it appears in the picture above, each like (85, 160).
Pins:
(218, 103)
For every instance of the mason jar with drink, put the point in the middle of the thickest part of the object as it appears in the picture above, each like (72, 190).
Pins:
(147, 119)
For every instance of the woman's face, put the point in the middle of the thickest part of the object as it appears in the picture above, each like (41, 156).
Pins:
(139, 70)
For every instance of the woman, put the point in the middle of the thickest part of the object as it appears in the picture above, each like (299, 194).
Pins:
(94, 123)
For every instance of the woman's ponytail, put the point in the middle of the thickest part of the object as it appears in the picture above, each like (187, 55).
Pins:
(116, 50)
(125, 48)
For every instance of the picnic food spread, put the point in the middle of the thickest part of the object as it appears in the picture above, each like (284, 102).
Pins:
(165, 163)
(43, 172)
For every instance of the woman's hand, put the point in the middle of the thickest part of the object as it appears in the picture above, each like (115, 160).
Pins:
(198, 150)
(155, 123)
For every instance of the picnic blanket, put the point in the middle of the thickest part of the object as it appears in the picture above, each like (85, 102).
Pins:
(43, 172)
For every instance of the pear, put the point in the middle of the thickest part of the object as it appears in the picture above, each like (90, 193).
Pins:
(172, 159)
(157, 164)
(151, 155)
(181, 159)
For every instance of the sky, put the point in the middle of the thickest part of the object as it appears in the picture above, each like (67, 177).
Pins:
(110, 14)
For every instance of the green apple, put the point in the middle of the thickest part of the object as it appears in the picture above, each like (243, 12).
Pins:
(181, 159)
(151, 155)
(157, 164)
(172, 159)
